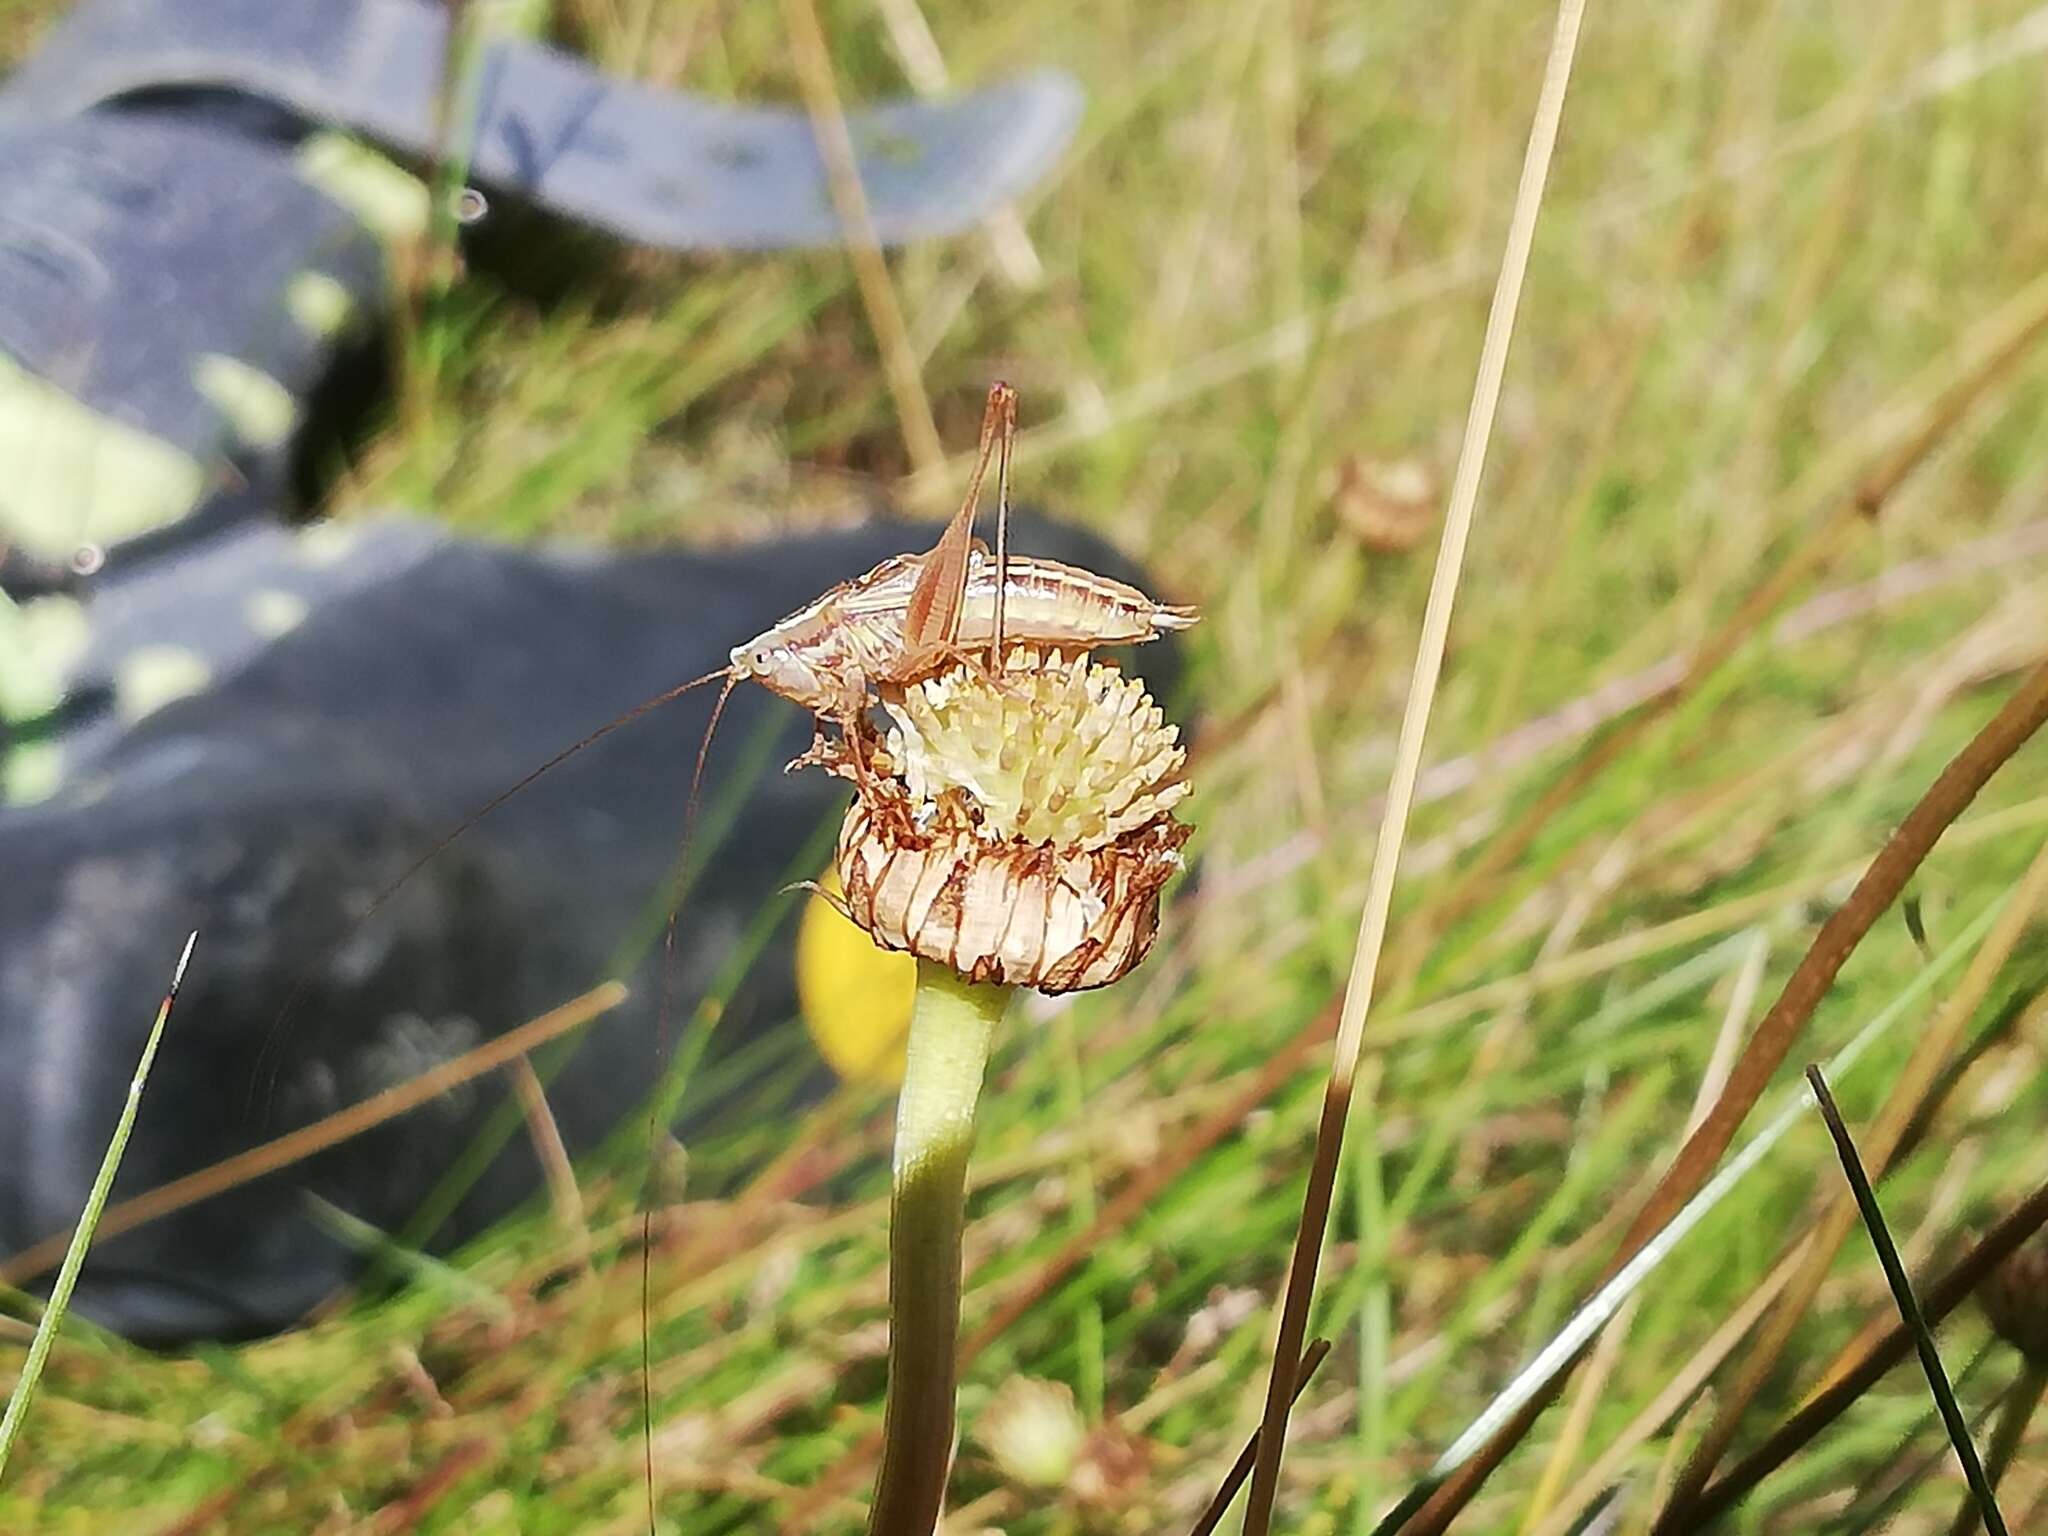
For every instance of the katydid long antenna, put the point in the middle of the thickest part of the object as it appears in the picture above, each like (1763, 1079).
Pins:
(654, 1102)
(267, 1062)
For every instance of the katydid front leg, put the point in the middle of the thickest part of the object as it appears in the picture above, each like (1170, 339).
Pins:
(852, 706)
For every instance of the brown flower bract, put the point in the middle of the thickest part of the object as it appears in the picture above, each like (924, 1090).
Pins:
(1016, 829)
(1026, 915)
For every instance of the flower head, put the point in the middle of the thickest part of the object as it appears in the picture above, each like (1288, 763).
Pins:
(1057, 752)
(1018, 826)
(1033, 1431)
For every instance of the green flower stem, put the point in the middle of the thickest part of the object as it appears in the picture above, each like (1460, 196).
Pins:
(950, 1030)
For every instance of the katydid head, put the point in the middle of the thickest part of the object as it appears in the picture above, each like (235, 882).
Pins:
(782, 668)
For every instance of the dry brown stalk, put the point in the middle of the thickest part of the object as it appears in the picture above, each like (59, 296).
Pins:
(1683, 1388)
(1422, 687)
(1945, 800)
(1607, 1352)
(871, 272)
(550, 1150)
(1878, 1145)
(1241, 1469)
(1937, 1300)
(418, 1501)
(911, 38)
(322, 1134)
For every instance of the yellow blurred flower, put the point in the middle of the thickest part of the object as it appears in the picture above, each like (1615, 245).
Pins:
(855, 997)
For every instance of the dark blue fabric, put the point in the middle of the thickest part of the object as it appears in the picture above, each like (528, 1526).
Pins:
(659, 167)
(131, 247)
(147, 219)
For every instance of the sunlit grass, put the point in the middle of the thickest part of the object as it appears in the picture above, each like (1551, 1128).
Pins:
(1268, 254)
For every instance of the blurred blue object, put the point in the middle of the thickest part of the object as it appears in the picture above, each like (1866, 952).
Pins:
(183, 251)
(212, 719)
(659, 167)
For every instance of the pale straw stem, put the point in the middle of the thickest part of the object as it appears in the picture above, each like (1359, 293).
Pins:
(871, 272)
(1436, 623)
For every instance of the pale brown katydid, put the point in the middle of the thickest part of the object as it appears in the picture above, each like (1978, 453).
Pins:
(913, 615)
(902, 619)
(905, 619)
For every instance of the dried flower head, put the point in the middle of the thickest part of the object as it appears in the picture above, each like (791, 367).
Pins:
(1017, 827)
(2015, 1297)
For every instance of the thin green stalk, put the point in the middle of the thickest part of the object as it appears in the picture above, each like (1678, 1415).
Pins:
(1895, 1275)
(950, 1030)
(2018, 1412)
(81, 1240)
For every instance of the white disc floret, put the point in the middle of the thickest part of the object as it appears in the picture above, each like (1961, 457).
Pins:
(1056, 751)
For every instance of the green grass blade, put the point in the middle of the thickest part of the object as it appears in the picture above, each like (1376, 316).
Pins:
(1909, 1305)
(81, 1240)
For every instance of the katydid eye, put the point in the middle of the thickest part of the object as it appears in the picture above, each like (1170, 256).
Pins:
(760, 658)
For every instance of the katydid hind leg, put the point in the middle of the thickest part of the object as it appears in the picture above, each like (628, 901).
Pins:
(931, 622)
(1008, 440)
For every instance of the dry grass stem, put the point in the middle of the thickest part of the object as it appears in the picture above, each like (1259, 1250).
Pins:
(1311, 1360)
(1587, 1395)
(1880, 885)
(549, 1150)
(1436, 623)
(910, 35)
(1904, 1104)
(1868, 1363)
(329, 1131)
(813, 64)
(1682, 1389)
